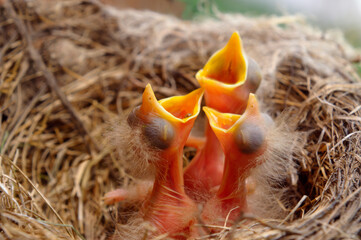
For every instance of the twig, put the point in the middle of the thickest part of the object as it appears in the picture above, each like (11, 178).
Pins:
(294, 209)
(266, 224)
(229, 213)
(7, 140)
(40, 65)
(38, 191)
(201, 223)
(62, 225)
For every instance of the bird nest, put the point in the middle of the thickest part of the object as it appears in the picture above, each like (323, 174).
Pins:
(70, 68)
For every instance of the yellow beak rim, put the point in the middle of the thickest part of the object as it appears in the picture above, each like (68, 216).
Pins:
(174, 109)
(229, 122)
(227, 68)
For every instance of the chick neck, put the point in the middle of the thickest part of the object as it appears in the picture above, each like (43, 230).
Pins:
(206, 168)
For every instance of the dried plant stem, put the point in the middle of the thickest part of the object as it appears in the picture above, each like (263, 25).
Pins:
(71, 67)
(49, 77)
(37, 190)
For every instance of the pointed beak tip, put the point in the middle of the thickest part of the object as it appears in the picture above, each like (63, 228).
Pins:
(148, 89)
(235, 34)
(199, 92)
(197, 95)
(149, 96)
(206, 110)
(234, 42)
(252, 100)
(212, 115)
(252, 96)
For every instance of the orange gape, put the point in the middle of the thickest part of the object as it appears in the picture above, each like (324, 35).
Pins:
(223, 78)
(227, 79)
(242, 138)
(225, 156)
(166, 125)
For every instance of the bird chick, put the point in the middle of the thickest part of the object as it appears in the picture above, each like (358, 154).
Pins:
(227, 78)
(165, 126)
(243, 140)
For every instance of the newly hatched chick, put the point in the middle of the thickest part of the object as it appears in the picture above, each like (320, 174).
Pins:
(243, 140)
(165, 126)
(227, 78)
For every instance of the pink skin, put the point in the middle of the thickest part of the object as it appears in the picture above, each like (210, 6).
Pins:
(223, 79)
(205, 170)
(167, 208)
(230, 198)
(226, 90)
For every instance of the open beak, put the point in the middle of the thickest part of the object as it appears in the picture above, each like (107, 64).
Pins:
(239, 134)
(168, 121)
(223, 125)
(243, 139)
(223, 77)
(226, 66)
(174, 109)
(166, 125)
(228, 77)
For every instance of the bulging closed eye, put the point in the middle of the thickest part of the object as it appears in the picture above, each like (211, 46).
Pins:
(159, 133)
(133, 120)
(249, 138)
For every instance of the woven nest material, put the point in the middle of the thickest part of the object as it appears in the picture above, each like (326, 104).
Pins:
(70, 68)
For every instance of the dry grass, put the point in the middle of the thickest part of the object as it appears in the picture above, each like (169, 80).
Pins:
(55, 164)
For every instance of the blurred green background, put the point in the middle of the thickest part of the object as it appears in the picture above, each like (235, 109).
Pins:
(344, 15)
(326, 14)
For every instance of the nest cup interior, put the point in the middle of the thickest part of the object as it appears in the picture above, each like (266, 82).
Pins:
(56, 164)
